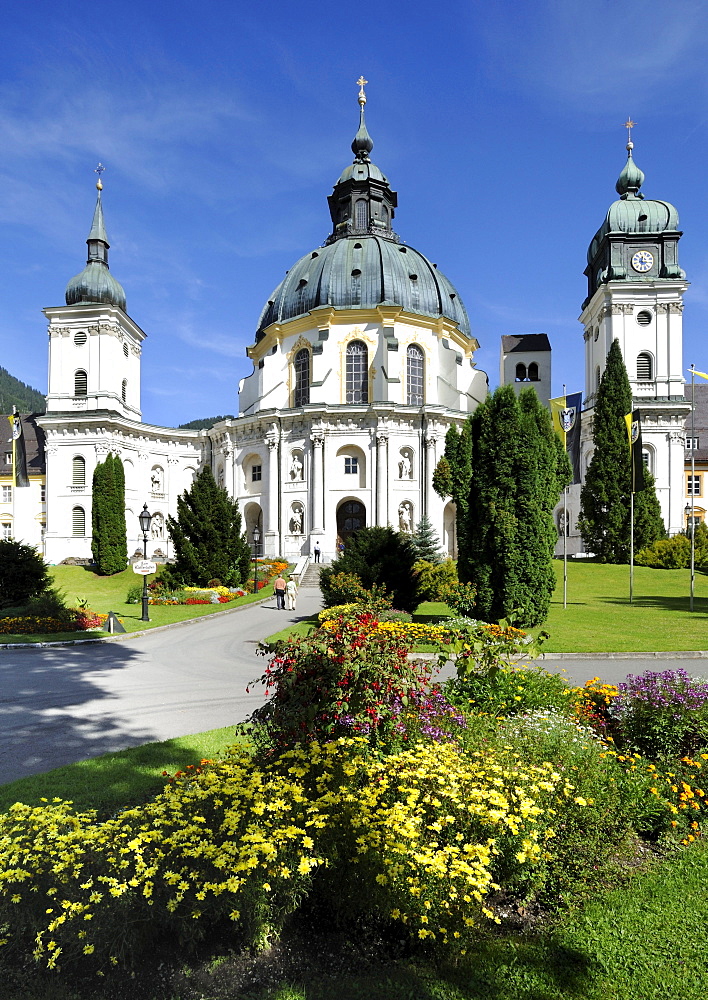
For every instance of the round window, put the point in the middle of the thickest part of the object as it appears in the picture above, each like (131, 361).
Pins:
(80, 338)
(644, 317)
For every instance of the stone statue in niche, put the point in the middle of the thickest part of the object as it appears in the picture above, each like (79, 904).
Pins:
(295, 467)
(296, 521)
(404, 466)
(405, 513)
(157, 528)
(156, 480)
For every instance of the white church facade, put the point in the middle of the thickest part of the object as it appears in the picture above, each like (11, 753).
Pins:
(362, 360)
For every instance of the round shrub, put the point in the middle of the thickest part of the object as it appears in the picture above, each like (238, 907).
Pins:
(435, 579)
(23, 573)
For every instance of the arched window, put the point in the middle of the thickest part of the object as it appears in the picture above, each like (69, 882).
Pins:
(80, 383)
(78, 521)
(357, 373)
(361, 214)
(533, 372)
(301, 395)
(415, 375)
(78, 471)
(520, 372)
(124, 389)
(644, 367)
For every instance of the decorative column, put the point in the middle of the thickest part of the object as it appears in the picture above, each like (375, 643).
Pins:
(317, 485)
(271, 540)
(382, 478)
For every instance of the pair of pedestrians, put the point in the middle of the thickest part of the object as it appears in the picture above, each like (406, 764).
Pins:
(285, 593)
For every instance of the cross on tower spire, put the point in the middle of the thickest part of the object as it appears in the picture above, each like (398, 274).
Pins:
(629, 125)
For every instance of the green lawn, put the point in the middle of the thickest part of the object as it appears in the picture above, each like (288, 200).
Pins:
(599, 617)
(108, 593)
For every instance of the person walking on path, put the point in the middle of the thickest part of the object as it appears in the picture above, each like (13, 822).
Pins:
(317, 552)
(291, 593)
(279, 587)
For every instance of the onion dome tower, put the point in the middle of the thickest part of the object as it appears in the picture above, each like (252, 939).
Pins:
(635, 296)
(363, 264)
(95, 283)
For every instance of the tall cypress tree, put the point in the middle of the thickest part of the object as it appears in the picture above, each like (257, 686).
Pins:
(517, 474)
(452, 478)
(108, 534)
(604, 520)
(207, 536)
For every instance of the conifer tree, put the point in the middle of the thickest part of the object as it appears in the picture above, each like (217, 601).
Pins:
(452, 478)
(425, 541)
(604, 520)
(207, 536)
(517, 474)
(109, 546)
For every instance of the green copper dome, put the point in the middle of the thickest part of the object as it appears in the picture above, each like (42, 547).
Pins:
(632, 213)
(96, 284)
(363, 264)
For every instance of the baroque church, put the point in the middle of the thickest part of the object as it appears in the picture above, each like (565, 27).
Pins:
(362, 359)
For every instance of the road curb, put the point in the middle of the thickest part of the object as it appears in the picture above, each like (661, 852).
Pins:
(130, 635)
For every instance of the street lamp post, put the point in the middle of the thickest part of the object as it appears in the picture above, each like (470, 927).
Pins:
(691, 521)
(256, 540)
(145, 519)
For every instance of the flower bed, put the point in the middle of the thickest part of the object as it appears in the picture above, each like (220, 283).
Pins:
(76, 621)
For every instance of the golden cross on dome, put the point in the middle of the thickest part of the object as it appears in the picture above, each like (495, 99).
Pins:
(361, 82)
(629, 125)
(99, 170)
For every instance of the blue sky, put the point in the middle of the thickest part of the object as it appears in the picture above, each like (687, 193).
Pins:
(223, 127)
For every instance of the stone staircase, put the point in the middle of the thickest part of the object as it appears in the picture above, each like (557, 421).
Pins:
(312, 575)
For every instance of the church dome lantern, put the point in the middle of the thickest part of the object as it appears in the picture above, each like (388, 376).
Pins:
(363, 264)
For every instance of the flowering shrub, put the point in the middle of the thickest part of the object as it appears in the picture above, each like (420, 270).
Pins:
(510, 691)
(592, 704)
(339, 677)
(414, 837)
(661, 714)
(347, 588)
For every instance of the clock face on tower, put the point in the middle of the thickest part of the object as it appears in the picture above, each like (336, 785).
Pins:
(642, 261)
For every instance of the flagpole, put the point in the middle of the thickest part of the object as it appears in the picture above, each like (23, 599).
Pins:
(631, 544)
(565, 539)
(693, 484)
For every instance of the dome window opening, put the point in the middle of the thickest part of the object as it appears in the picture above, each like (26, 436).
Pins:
(80, 383)
(80, 338)
(644, 317)
(361, 215)
(301, 394)
(644, 367)
(415, 376)
(357, 373)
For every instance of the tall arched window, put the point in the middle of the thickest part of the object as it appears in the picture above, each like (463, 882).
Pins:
(644, 367)
(80, 383)
(520, 372)
(78, 521)
(357, 373)
(415, 375)
(78, 471)
(301, 395)
(533, 372)
(361, 216)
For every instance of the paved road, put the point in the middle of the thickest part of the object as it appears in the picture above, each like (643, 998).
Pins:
(62, 704)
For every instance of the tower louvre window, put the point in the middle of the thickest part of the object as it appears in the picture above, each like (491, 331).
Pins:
(78, 472)
(644, 317)
(78, 521)
(361, 214)
(357, 373)
(124, 389)
(301, 395)
(644, 367)
(415, 376)
(80, 383)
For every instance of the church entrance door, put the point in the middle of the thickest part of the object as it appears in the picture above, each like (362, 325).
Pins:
(351, 516)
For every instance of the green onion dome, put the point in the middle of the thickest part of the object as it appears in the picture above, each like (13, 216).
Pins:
(96, 284)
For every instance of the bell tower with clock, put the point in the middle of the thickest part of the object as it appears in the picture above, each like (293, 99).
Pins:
(635, 296)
